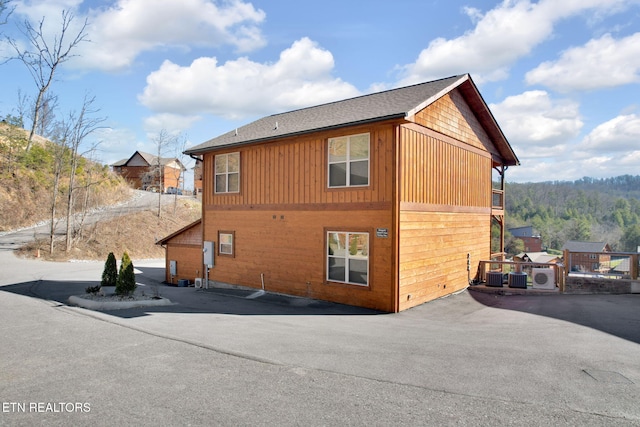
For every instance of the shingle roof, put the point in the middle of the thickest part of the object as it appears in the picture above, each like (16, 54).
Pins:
(391, 104)
(150, 159)
(577, 246)
(542, 257)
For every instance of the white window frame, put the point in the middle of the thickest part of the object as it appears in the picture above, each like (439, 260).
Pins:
(348, 257)
(225, 173)
(348, 161)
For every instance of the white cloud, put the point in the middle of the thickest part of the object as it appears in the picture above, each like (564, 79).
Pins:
(172, 123)
(603, 62)
(532, 120)
(619, 134)
(500, 37)
(124, 30)
(611, 149)
(241, 88)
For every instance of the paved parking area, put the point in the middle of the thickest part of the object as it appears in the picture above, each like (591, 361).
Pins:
(217, 358)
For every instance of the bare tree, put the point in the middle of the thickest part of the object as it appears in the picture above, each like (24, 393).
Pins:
(84, 124)
(61, 138)
(47, 113)
(5, 11)
(42, 57)
(178, 173)
(163, 143)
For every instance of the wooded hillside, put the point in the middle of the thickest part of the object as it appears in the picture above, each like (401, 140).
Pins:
(34, 182)
(588, 209)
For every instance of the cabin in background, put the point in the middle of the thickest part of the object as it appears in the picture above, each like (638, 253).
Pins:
(382, 201)
(148, 172)
(589, 256)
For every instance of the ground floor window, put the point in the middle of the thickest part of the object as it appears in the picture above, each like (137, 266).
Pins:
(348, 257)
(226, 241)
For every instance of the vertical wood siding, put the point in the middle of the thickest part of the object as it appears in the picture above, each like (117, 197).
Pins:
(284, 208)
(294, 172)
(445, 201)
(436, 172)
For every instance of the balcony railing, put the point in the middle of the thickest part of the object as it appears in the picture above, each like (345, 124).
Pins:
(497, 199)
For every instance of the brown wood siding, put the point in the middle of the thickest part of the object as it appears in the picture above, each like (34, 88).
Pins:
(293, 171)
(452, 116)
(433, 253)
(444, 202)
(289, 248)
(171, 177)
(439, 172)
(188, 262)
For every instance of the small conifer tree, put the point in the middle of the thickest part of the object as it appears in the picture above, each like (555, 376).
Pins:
(126, 277)
(110, 273)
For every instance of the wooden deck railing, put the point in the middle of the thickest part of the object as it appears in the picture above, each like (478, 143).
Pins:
(519, 267)
(497, 199)
(602, 265)
(612, 265)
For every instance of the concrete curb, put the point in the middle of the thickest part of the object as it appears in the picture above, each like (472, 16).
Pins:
(116, 305)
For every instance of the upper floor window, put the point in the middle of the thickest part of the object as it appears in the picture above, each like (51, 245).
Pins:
(227, 173)
(349, 161)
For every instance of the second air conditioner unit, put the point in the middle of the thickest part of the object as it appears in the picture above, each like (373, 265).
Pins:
(543, 278)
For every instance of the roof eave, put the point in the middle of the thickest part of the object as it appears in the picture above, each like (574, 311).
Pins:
(293, 134)
(488, 121)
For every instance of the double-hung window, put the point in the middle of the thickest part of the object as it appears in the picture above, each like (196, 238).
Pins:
(226, 241)
(348, 257)
(227, 173)
(349, 161)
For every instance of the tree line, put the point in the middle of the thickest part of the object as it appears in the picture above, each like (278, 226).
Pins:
(588, 209)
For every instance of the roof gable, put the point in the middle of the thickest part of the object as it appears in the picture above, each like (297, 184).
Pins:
(191, 228)
(401, 103)
(140, 158)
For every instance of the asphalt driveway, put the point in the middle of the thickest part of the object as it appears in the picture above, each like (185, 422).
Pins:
(217, 358)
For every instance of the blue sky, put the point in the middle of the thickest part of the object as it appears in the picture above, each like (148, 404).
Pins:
(562, 77)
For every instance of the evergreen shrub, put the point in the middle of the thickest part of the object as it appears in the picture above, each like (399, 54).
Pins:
(126, 277)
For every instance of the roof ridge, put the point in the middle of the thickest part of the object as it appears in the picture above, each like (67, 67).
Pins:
(364, 95)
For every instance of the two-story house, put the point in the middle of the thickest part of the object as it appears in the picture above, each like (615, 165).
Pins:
(381, 201)
(148, 172)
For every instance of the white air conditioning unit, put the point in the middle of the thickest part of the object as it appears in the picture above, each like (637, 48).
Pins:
(543, 278)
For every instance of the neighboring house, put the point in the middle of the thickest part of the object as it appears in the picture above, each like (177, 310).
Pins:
(184, 248)
(378, 201)
(148, 172)
(197, 178)
(537, 257)
(532, 242)
(588, 256)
